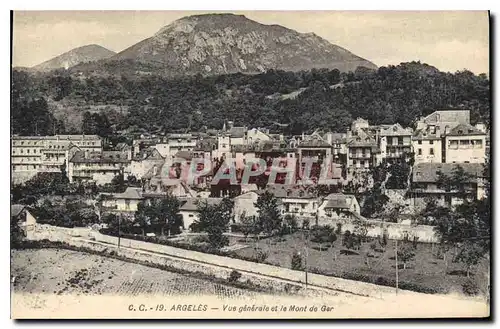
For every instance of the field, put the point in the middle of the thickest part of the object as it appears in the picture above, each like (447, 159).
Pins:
(55, 271)
(426, 269)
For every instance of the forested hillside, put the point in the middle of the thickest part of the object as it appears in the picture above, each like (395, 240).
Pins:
(45, 103)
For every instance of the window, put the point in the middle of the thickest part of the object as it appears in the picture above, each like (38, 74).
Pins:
(354, 162)
(419, 142)
(453, 144)
(28, 151)
(362, 162)
(419, 151)
(431, 151)
(431, 142)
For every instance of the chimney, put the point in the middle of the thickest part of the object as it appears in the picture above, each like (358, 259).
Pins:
(438, 131)
(481, 127)
(446, 130)
(349, 133)
(230, 125)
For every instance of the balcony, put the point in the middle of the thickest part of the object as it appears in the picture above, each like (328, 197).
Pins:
(360, 156)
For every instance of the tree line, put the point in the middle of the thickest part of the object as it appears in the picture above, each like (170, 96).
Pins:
(287, 102)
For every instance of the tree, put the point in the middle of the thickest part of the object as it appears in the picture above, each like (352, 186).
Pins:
(297, 262)
(406, 253)
(268, 212)
(118, 183)
(164, 214)
(215, 219)
(323, 235)
(143, 217)
(470, 254)
(249, 225)
(291, 223)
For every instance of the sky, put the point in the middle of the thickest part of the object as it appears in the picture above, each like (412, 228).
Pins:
(450, 41)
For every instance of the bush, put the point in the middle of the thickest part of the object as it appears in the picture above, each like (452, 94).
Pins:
(470, 287)
(338, 231)
(261, 256)
(234, 276)
(297, 262)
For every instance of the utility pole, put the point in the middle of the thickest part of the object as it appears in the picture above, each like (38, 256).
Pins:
(119, 230)
(307, 254)
(397, 274)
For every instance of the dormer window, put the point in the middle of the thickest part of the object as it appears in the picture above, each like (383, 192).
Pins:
(460, 132)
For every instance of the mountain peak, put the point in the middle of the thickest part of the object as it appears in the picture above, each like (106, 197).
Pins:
(224, 43)
(82, 54)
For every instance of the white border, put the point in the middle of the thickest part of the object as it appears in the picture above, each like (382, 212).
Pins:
(190, 5)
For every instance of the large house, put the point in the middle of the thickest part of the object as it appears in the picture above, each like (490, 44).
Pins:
(465, 144)
(98, 167)
(446, 136)
(427, 145)
(337, 206)
(296, 200)
(123, 204)
(426, 184)
(189, 209)
(394, 142)
(33, 154)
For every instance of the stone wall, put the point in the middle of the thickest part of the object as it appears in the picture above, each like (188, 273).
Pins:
(425, 233)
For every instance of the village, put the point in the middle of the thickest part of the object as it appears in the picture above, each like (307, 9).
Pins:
(381, 183)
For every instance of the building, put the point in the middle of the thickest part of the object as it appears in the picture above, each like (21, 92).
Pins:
(464, 144)
(338, 141)
(180, 142)
(98, 167)
(394, 142)
(427, 145)
(361, 151)
(244, 206)
(426, 185)
(338, 206)
(314, 147)
(296, 200)
(24, 218)
(144, 161)
(189, 209)
(33, 154)
(445, 119)
(124, 204)
(256, 135)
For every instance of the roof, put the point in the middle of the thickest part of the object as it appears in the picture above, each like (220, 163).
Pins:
(337, 200)
(237, 132)
(60, 137)
(428, 172)
(314, 141)
(191, 204)
(465, 130)
(424, 134)
(289, 191)
(131, 193)
(16, 209)
(149, 153)
(186, 155)
(394, 130)
(100, 157)
(358, 141)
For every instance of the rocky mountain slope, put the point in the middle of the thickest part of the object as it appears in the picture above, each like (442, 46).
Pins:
(88, 53)
(226, 43)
